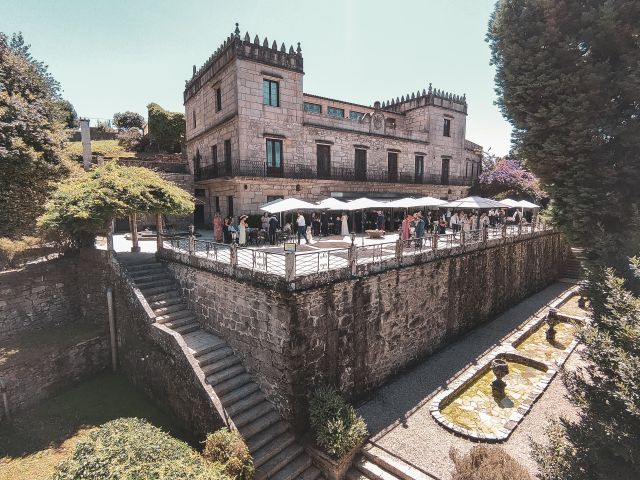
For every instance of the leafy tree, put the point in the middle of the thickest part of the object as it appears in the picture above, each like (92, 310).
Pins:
(604, 443)
(127, 120)
(84, 205)
(167, 130)
(67, 114)
(567, 79)
(31, 136)
(506, 177)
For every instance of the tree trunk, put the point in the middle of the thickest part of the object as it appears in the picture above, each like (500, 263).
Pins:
(159, 231)
(134, 233)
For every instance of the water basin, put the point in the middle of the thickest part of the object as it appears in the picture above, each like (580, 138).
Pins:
(537, 346)
(570, 307)
(473, 407)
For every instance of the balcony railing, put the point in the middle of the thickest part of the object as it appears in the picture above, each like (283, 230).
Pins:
(309, 171)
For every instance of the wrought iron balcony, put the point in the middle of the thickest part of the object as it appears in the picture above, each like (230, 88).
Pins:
(308, 171)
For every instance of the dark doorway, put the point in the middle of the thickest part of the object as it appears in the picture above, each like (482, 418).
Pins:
(274, 158)
(198, 216)
(392, 163)
(324, 161)
(419, 168)
(361, 164)
(444, 176)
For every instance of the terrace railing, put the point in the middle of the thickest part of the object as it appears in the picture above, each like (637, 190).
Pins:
(252, 168)
(295, 265)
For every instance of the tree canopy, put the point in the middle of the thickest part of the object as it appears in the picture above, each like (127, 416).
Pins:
(127, 120)
(32, 123)
(83, 205)
(567, 79)
(506, 177)
(167, 130)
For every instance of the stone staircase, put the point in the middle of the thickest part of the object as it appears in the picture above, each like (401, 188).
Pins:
(377, 464)
(573, 265)
(276, 452)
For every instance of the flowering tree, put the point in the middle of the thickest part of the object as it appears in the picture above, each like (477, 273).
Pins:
(506, 177)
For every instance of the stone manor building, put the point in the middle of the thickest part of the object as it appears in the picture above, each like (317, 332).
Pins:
(253, 136)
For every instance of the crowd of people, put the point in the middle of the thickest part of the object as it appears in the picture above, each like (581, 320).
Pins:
(323, 224)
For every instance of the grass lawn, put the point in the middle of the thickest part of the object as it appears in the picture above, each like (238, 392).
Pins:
(105, 148)
(36, 440)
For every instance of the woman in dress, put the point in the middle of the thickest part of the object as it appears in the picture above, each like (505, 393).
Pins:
(226, 230)
(345, 225)
(404, 231)
(243, 230)
(217, 227)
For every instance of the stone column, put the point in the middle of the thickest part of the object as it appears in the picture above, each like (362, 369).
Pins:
(289, 266)
(399, 250)
(353, 259)
(233, 255)
(485, 234)
(159, 231)
(134, 232)
(85, 136)
(434, 240)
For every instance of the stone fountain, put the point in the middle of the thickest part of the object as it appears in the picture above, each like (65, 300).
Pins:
(500, 369)
(552, 320)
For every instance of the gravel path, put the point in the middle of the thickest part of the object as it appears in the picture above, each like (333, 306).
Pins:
(398, 413)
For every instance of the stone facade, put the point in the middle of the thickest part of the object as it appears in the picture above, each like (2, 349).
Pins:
(417, 142)
(356, 333)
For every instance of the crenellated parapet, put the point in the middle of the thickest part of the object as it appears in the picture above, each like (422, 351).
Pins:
(430, 96)
(236, 47)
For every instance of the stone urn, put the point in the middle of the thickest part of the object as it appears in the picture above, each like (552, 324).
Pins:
(500, 369)
(552, 320)
(582, 302)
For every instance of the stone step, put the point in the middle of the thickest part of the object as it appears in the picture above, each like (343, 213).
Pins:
(141, 277)
(170, 317)
(209, 348)
(311, 473)
(168, 295)
(355, 474)
(164, 310)
(266, 436)
(155, 283)
(245, 403)
(373, 471)
(230, 385)
(238, 393)
(252, 414)
(393, 464)
(166, 302)
(222, 364)
(255, 427)
(226, 374)
(281, 459)
(219, 353)
(293, 469)
(145, 267)
(271, 449)
(180, 322)
(147, 292)
(188, 328)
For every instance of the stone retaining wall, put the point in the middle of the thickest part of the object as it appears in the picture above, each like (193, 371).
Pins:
(357, 333)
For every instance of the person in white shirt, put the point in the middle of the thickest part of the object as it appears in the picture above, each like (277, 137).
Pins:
(302, 228)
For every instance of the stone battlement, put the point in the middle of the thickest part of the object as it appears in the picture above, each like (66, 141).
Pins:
(432, 96)
(235, 47)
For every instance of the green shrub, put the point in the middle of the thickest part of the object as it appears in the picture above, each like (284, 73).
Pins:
(335, 424)
(131, 448)
(229, 450)
(14, 252)
(487, 462)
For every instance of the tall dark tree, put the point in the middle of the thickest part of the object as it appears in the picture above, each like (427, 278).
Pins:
(31, 136)
(127, 120)
(568, 80)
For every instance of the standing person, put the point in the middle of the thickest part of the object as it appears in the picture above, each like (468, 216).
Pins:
(217, 227)
(226, 230)
(243, 230)
(419, 229)
(455, 222)
(337, 225)
(380, 220)
(315, 225)
(273, 229)
(485, 220)
(404, 229)
(344, 225)
(448, 216)
(302, 228)
(264, 221)
(442, 227)
(324, 224)
(492, 217)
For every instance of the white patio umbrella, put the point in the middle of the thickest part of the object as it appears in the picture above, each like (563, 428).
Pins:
(430, 202)
(363, 204)
(479, 203)
(511, 203)
(404, 203)
(528, 205)
(331, 203)
(287, 205)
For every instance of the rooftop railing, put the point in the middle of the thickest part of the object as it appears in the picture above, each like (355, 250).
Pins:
(293, 266)
(252, 168)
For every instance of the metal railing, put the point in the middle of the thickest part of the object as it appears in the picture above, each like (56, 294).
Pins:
(292, 265)
(252, 168)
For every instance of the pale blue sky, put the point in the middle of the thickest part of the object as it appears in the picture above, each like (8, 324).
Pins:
(120, 55)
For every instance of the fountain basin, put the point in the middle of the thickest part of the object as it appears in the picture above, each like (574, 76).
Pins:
(470, 408)
(570, 306)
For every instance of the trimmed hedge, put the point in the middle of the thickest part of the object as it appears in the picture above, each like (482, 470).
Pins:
(132, 448)
(335, 424)
(487, 462)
